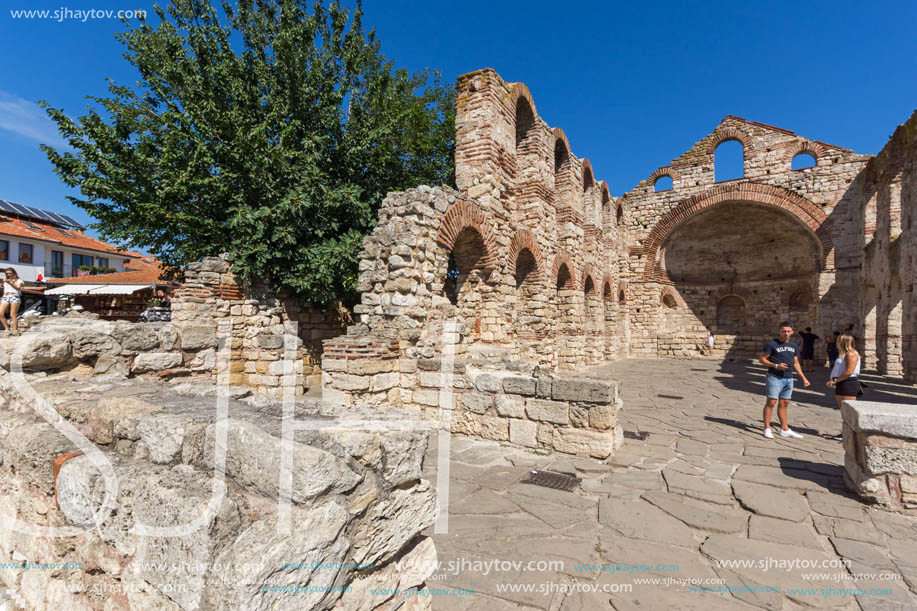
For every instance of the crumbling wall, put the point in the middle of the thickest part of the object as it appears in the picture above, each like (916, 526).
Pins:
(258, 318)
(702, 241)
(889, 309)
(176, 533)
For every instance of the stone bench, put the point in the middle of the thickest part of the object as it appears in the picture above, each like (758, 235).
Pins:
(880, 452)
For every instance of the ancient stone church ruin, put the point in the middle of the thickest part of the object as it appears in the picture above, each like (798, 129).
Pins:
(538, 262)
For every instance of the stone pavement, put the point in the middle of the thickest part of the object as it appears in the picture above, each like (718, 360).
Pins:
(704, 487)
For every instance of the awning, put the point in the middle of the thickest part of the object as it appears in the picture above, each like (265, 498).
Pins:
(97, 289)
(119, 289)
(72, 289)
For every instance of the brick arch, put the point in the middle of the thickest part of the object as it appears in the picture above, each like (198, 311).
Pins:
(816, 149)
(564, 258)
(524, 239)
(664, 171)
(668, 291)
(606, 283)
(586, 274)
(561, 136)
(462, 215)
(587, 171)
(721, 293)
(725, 135)
(606, 194)
(804, 211)
(519, 90)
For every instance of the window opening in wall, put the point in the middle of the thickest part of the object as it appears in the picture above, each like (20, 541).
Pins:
(589, 286)
(663, 183)
(525, 120)
(728, 161)
(800, 301)
(25, 253)
(669, 302)
(525, 266)
(587, 179)
(560, 155)
(620, 214)
(563, 277)
(802, 161)
(621, 297)
(450, 287)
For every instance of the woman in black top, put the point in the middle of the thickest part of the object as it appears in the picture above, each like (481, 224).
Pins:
(831, 344)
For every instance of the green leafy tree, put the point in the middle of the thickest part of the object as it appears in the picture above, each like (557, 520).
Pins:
(265, 130)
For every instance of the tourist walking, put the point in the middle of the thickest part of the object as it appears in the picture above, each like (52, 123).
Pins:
(846, 371)
(12, 296)
(831, 347)
(710, 340)
(808, 349)
(782, 358)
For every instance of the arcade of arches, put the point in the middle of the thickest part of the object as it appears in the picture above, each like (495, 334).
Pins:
(536, 261)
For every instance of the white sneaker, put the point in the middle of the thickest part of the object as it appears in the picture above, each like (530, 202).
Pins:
(768, 433)
(790, 433)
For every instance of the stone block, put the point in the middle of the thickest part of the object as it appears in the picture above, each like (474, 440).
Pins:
(370, 366)
(466, 423)
(156, 361)
(579, 441)
(547, 411)
(486, 382)
(494, 428)
(197, 337)
(334, 364)
(346, 381)
(603, 417)
(510, 406)
(519, 386)
(384, 381)
(892, 419)
(523, 432)
(591, 391)
(478, 403)
(579, 416)
(426, 397)
(545, 435)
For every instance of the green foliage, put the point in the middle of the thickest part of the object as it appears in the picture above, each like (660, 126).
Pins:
(268, 130)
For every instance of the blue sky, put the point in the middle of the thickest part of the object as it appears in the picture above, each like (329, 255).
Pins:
(633, 85)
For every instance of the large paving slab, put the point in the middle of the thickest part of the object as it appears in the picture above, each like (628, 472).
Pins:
(704, 488)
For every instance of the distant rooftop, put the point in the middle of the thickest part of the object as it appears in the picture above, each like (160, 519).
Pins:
(44, 216)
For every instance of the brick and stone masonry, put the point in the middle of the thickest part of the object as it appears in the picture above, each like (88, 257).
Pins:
(880, 452)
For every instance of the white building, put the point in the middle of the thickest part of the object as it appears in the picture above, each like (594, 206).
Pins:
(39, 244)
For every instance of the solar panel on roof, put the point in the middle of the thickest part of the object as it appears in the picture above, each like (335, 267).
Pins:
(35, 213)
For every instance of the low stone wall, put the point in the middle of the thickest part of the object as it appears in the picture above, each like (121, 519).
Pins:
(259, 318)
(489, 399)
(358, 503)
(880, 452)
(118, 348)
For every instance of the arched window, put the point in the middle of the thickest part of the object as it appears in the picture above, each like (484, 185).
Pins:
(465, 256)
(563, 277)
(729, 161)
(619, 215)
(663, 183)
(525, 120)
(622, 298)
(669, 301)
(561, 155)
(606, 292)
(803, 161)
(525, 266)
(587, 178)
(589, 286)
(730, 313)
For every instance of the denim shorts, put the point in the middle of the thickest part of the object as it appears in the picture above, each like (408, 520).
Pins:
(778, 388)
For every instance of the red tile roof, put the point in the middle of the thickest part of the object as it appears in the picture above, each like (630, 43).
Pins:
(140, 272)
(36, 230)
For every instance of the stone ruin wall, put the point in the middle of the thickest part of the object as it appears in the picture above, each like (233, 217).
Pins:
(211, 294)
(357, 497)
(889, 273)
(813, 212)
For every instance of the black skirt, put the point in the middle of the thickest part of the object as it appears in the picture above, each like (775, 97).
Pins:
(848, 388)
